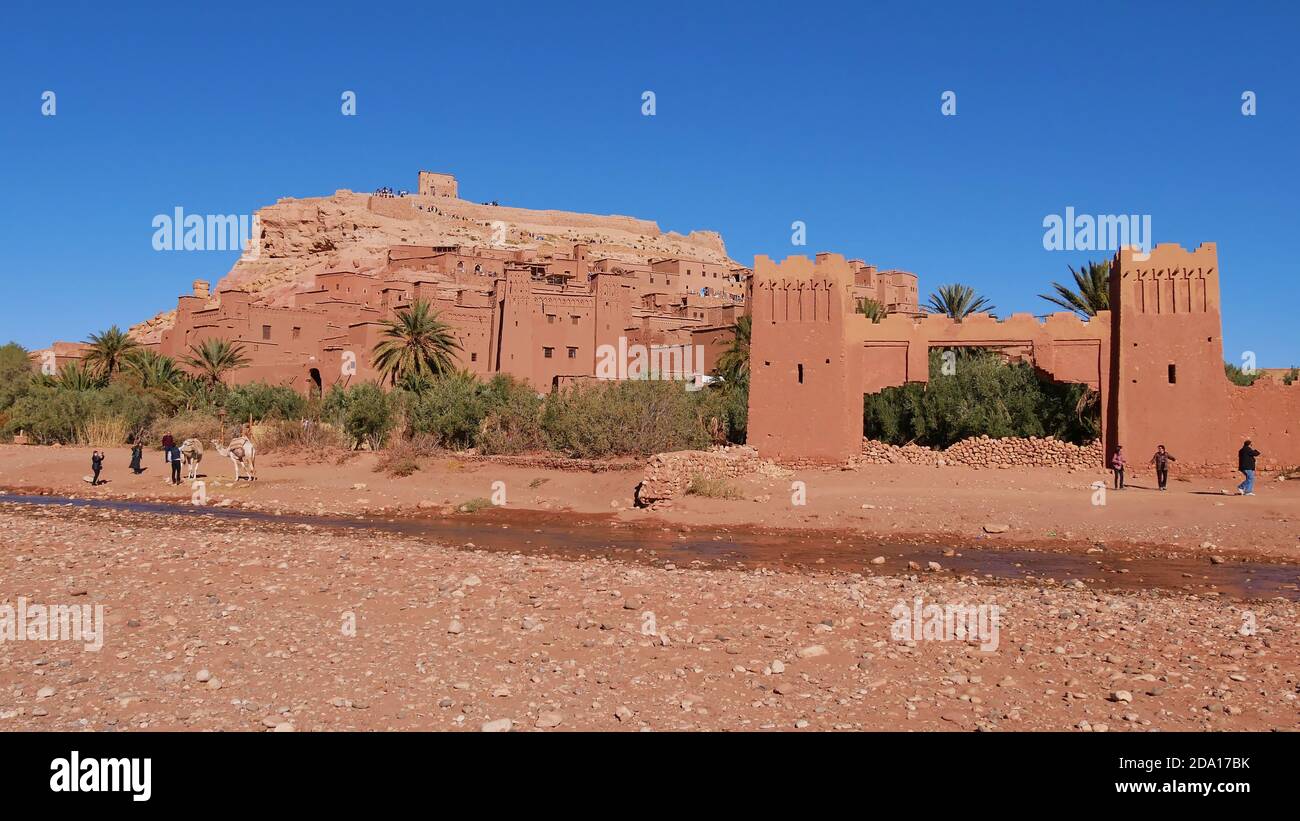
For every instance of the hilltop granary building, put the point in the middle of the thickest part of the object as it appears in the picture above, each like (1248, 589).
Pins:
(1156, 357)
(539, 315)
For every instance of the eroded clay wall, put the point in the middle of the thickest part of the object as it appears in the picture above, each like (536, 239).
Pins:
(1268, 414)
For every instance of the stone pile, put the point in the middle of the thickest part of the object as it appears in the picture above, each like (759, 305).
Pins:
(668, 474)
(985, 452)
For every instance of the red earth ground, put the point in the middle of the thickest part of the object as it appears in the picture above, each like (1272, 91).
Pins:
(242, 622)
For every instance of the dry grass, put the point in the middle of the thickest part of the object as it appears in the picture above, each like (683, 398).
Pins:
(402, 456)
(104, 432)
(318, 442)
(713, 489)
(474, 505)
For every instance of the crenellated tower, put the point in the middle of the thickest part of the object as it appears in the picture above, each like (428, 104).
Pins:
(1167, 348)
(805, 390)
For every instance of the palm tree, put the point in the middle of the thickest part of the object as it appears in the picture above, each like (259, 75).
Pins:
(1091, 294)
(75, 377)
(957, 301)
(871, 308)
(733, 364)
(107, 351)
(215, 358)
(152, 369)
(416, 343)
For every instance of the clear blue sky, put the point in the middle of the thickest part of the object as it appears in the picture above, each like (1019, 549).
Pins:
(767, 113)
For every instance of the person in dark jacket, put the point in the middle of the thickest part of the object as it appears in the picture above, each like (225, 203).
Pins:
(1161, 460)
(137, 453)
(174, 458)
(1246, 464)
(96, 465)
(172, 455)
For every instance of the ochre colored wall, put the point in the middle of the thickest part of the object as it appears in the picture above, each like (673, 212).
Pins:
(1156, 358)
(1268, 414)
(805, 392)
(1168, 307)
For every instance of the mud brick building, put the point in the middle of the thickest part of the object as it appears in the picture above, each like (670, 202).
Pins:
(1156, 358)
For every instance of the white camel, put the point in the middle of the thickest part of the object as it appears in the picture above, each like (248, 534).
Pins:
(240, 453)
(191, 455)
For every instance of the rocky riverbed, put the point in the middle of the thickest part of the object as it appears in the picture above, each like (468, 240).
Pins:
(227, 625)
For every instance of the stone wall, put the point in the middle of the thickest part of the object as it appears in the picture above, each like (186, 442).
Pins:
(982, 451)
(668, 474)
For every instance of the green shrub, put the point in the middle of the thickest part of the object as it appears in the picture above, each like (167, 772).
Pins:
(450, 409)
(364, 412)
(263, 403)
(985, 396)
(1237, 376)
(632, 418)
(48, 414)
(135, 408)
(514, 426)
(15, 374)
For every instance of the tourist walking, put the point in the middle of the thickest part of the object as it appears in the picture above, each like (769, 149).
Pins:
(1246, 464)
(1117, 465)
(137, 453)
(96, 465)
(1161, 460)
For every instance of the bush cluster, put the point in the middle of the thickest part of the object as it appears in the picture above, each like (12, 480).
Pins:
(983, 394)
(505, 416)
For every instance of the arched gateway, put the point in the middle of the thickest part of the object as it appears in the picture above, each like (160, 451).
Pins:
(1156, 358)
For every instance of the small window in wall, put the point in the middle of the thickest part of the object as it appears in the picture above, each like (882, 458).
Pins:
(573, 320)
(548, 352)
(1173, 374)
(800, 373)
(573, 353)
(266, 331)
(297, 332)
(550, 319)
